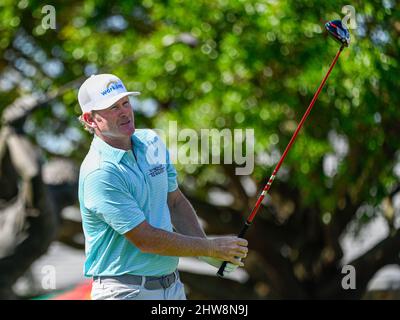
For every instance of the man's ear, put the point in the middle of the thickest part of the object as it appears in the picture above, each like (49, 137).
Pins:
(88, 117)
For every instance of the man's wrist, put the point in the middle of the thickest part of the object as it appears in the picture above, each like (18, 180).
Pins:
(208, 247)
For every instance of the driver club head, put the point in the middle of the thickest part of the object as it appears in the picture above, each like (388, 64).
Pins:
(338, 31)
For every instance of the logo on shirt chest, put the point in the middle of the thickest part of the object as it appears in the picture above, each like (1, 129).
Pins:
(156, 170)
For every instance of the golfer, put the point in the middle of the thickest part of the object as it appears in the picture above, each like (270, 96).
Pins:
(136, 221)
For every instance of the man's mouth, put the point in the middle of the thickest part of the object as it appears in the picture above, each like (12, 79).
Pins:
(125, 122)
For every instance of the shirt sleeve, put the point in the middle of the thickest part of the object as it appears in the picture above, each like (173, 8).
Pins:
(106, 194)
(157, 152)
(171, 171)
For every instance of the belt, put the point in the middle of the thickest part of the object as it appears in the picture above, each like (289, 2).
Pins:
(150, 282)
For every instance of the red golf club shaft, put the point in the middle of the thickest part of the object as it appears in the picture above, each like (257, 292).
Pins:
(274, 173)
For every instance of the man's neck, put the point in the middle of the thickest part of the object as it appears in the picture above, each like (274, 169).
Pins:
(119, 143)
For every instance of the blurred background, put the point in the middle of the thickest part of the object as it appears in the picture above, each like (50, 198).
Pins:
(236, 64)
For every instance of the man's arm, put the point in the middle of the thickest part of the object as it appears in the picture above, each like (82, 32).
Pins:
(153, 240)
(185, 221)
(106, 196)
(183, 216)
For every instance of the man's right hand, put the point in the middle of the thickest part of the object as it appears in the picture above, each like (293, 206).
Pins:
(230, 249)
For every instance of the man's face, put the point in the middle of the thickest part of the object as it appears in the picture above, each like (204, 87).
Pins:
(116, 121)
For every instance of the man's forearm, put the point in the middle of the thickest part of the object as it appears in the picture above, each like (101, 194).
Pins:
(149, 239)
(153, 240)
(185, 220)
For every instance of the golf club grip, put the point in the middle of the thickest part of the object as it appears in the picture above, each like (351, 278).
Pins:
(242, 232)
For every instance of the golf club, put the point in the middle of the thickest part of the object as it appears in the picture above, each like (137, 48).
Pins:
(341, 34)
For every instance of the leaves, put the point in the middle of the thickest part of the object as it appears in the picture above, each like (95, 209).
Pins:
(229, 64)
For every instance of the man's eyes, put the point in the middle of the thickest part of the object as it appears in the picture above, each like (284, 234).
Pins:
(116, 107)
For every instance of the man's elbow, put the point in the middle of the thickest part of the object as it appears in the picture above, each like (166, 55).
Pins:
(140, 237)
(141, 244)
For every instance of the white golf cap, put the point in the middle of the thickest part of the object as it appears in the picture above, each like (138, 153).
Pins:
(101, 91)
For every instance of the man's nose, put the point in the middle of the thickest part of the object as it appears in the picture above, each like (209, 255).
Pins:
(123, 110)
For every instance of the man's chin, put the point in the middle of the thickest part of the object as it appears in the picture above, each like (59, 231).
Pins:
(127, 130)
(128, 133)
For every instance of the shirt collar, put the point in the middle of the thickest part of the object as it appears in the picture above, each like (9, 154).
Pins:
(110, 153)
(137, 142)
(115, 154)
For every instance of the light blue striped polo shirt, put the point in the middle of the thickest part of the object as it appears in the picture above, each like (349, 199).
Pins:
(117, 193)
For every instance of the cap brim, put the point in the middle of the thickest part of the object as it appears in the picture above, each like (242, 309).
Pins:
(110, 101)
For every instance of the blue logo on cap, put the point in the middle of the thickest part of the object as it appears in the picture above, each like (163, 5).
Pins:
(111, 86)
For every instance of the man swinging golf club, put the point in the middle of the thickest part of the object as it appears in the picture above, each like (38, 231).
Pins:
(130, 202)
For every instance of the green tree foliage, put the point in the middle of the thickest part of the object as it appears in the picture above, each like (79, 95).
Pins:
(238, 64)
